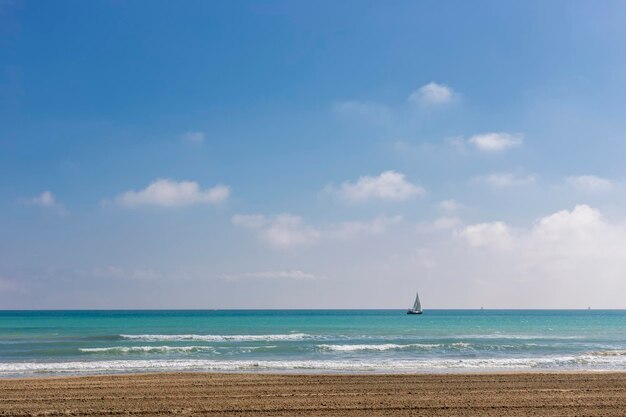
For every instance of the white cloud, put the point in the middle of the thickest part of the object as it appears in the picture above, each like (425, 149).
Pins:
(562, 239)
(288, 230)
(496, 142)
(433, 94)
(388, 186)
(495, 234)
(46, 200)
(566, 259)
(169, 193)
(194, 136)
(289, 275)
(506, 179)
(565, 227)
(589, 183)
(396, 114)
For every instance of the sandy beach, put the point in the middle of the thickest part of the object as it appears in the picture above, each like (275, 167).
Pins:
(556, 394)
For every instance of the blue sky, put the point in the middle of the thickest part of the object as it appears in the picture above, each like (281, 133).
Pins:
(331, 154)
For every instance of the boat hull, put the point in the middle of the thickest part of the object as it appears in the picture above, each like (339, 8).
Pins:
(413, 312)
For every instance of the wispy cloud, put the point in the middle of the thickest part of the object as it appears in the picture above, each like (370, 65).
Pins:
(388, 186)
(447, 222)
(288, 230)
(506, 180)
(433, 94)
(170, 193)
(287, 275)
(374, 112)
(194, 136)
(449, 206)
(46, 200)
(285, 230)
(589, 183)
(250, 221)
(135, 274)
(430, 95)
(496, 142)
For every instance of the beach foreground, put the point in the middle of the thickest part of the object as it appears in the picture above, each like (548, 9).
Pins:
(550, 394)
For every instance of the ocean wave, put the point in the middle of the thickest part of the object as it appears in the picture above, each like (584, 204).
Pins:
(616, 352)
(517, 336)
(379, 347)
(216, 337)
(491, 347)
(121, 350)
(456, 346)
(584, 362)
(147, 349)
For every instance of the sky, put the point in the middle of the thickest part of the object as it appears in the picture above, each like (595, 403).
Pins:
(285, 154)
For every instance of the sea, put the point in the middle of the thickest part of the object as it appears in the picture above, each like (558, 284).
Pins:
(44, 343)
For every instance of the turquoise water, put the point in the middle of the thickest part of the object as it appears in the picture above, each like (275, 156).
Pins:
(75, 342)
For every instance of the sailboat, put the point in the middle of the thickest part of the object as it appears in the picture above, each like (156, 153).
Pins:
(417, 306)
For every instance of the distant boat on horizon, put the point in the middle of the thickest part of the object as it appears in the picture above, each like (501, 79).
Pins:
(417, 306)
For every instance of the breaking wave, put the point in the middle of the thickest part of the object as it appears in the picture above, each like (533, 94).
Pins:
(216, 337)
(586, 362)
(380, 347)
(426, 347)
(147, 349)
(608, 353)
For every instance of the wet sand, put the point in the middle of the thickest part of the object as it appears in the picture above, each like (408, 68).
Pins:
(194, 394)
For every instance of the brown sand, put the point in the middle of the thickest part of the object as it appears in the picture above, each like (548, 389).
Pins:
(556, 394)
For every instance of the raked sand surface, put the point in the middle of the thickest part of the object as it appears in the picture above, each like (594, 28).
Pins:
(530, 394)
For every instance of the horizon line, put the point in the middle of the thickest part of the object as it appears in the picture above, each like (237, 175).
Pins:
(314, 309)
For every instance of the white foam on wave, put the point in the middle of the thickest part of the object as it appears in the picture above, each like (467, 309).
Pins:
(147, 349)
(379, 347)
(456, 346)
(216, 337)
(121, 350)
(517, 336)
(582, 362)
(616, 352)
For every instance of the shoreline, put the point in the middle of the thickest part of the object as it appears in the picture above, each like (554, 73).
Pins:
(591, 393)
(317, 372)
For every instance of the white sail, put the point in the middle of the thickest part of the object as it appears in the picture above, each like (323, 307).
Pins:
(417, 306)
